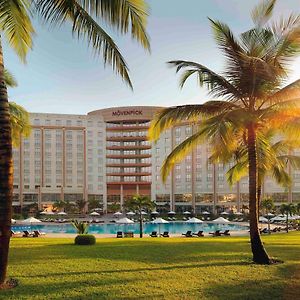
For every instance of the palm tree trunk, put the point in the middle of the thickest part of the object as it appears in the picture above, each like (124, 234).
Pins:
(260, 255)
(6, 174)
(287, 222)
(141, 225)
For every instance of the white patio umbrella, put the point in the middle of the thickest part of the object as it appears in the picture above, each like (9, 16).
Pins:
(220, 220)
(94, 213)
(171, 212)
(31, 220)
(263, 219)
(205, 213)
(13, 221)
(278, 218)
(239, 213)
(186, 212)
(159, 221)
(154, 212)
(62, 213)
(50, 212)
(269, 215)
(130, 213)
(117, 214)
(224, 213)
(44, 212)
(194, 220)
(124, 221)
(144, 213)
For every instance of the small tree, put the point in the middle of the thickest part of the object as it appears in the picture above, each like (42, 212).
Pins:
(59, 205)
(81, 205)
(138, 204)
(93, 203)
(268, 205)
(81, 227)
(288, 209)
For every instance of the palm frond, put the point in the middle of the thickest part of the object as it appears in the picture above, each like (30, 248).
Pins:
(122, 14)
(9, 79)
(20, 122)
(180, 151)
(171, 116)
(217, 85)
(16, 24)
(85, 26)
(289, 92)
(263, 12)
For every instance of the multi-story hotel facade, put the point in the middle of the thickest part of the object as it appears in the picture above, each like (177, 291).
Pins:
(105, 156)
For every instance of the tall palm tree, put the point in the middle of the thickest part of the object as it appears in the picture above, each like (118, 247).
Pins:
(251, 99)
(287, 209)
(138, 204)
(84, 16)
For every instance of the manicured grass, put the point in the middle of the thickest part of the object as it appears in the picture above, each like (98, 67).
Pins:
(157, 268)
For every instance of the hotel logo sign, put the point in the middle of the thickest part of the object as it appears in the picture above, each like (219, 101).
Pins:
(133, 112)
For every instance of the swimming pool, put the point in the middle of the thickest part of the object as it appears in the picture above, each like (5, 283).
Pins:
(172, 227)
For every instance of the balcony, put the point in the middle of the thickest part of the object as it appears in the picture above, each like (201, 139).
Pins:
(128, 156)
(127, 128)
(129, 174)
(135, 147)
(128, 182)
(126, 138)
(129, 165)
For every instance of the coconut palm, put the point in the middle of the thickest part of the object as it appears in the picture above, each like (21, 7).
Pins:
(138, 204)
(251, 99)
(287, 210)
(84, 16)
(268, 205)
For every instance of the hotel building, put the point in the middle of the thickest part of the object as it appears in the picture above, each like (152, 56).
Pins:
(105, 156)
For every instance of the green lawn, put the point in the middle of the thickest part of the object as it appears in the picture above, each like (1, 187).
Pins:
(161, 268)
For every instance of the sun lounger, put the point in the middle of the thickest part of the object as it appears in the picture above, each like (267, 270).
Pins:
(119, 234)
(165, 234)
(199, 233)
(188, 234)
(15, 233)
(226, 232)
(153, 234)
(26, 233)
(37, 233)
(216, 233)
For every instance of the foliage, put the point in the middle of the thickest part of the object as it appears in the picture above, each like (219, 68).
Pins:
(267, 204)
(252, 101)
(81, 203)
(81, 227)
(139, 204)
(85, 239)
(288, 209)
(205, 268)
(113, 207)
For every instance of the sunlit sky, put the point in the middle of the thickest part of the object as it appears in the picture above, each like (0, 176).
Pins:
(63, 76)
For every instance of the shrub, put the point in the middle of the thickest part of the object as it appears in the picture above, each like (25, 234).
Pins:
(81, 227)
(85, 239)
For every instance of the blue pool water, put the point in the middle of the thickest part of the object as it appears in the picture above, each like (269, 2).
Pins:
(172, 227)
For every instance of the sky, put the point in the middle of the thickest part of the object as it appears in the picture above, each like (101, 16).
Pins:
(63, 76)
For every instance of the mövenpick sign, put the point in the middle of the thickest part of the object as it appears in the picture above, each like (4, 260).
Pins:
(135, 112)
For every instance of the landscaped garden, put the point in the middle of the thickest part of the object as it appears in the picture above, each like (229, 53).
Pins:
(153, 268)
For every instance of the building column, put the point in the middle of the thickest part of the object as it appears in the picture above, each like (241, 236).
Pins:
(137, 189)
(121, 197)
(238, 196)
(290, 195)
(21, 173)
(215, 200)
(172, 196)
(193, 170)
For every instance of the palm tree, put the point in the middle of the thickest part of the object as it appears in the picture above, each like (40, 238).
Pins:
(16, 26)
(268, 205)
(139, 204)
(251, 99)
(60, 205)
(287, 209)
